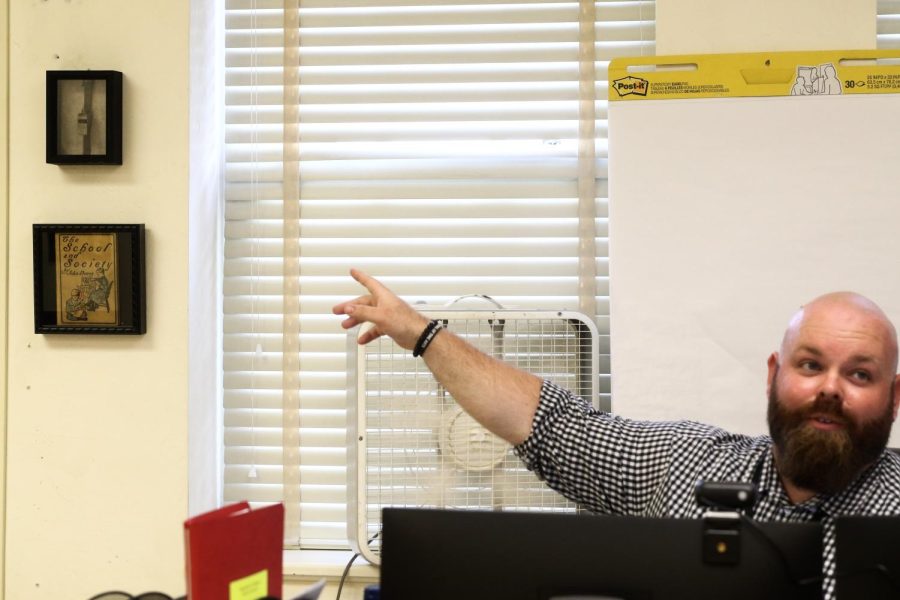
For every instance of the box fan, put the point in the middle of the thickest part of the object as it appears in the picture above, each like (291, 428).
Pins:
(410, 444)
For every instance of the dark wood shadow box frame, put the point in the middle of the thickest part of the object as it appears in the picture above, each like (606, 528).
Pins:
(90, 279)
(84, 117)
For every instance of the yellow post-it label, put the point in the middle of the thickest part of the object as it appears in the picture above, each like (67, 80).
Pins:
(824, 73)
(251, 587)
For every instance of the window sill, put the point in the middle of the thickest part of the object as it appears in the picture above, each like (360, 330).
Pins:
(330, 564)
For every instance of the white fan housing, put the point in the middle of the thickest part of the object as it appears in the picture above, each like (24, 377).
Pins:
(411, 445)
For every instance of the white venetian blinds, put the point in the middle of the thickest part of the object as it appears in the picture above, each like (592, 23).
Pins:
(448, 147)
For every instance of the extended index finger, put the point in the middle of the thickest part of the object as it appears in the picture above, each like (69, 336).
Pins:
(370, 283)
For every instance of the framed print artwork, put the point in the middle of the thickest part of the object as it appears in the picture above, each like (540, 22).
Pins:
(84, 117)
(89, 279)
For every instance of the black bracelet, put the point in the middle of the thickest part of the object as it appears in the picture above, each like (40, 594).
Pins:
(431, 330)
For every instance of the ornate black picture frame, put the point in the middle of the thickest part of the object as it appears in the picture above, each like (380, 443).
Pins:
(84, 117)
(89, 279)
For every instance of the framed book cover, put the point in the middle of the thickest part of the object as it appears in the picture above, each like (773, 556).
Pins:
(89, 279)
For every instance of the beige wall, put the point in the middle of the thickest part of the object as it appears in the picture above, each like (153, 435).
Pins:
(97, 425)
(4, 182)
(701, 26)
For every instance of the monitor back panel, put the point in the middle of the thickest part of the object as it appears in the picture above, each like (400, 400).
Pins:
(868, 557)
(444, 555)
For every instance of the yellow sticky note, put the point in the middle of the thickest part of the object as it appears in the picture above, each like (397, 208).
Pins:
(251, 587)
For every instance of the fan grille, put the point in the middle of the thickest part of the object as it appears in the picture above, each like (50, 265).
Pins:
(422, 450)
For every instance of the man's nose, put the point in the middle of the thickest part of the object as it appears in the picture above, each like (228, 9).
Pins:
(831, 386)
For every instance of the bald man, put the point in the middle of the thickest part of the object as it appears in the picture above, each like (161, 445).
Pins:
(833, 393)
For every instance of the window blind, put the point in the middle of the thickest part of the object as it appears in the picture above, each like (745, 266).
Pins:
(888, 24)
(448, 148)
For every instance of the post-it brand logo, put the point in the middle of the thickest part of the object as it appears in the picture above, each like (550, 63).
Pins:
(631, 85)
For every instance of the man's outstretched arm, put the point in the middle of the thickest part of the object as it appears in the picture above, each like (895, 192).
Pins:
(499, 396)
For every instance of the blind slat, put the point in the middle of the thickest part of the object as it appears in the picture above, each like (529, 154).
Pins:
(363, 34)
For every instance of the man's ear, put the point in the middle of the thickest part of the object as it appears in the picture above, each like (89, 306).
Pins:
(896, 395)
(772, 363)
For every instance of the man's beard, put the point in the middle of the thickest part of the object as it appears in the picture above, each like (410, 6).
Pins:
(825, 461)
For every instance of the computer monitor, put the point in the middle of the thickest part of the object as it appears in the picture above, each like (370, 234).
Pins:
(471, 555)
(868, 559)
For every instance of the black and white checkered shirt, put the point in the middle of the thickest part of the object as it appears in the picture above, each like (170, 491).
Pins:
(618, 466)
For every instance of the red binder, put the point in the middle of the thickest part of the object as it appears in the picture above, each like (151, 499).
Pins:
(234, 553)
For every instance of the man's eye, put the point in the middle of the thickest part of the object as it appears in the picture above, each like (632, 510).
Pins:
(809, 365)
(862, 375)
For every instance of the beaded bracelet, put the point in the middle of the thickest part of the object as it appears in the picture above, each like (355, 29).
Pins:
(431, 330)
